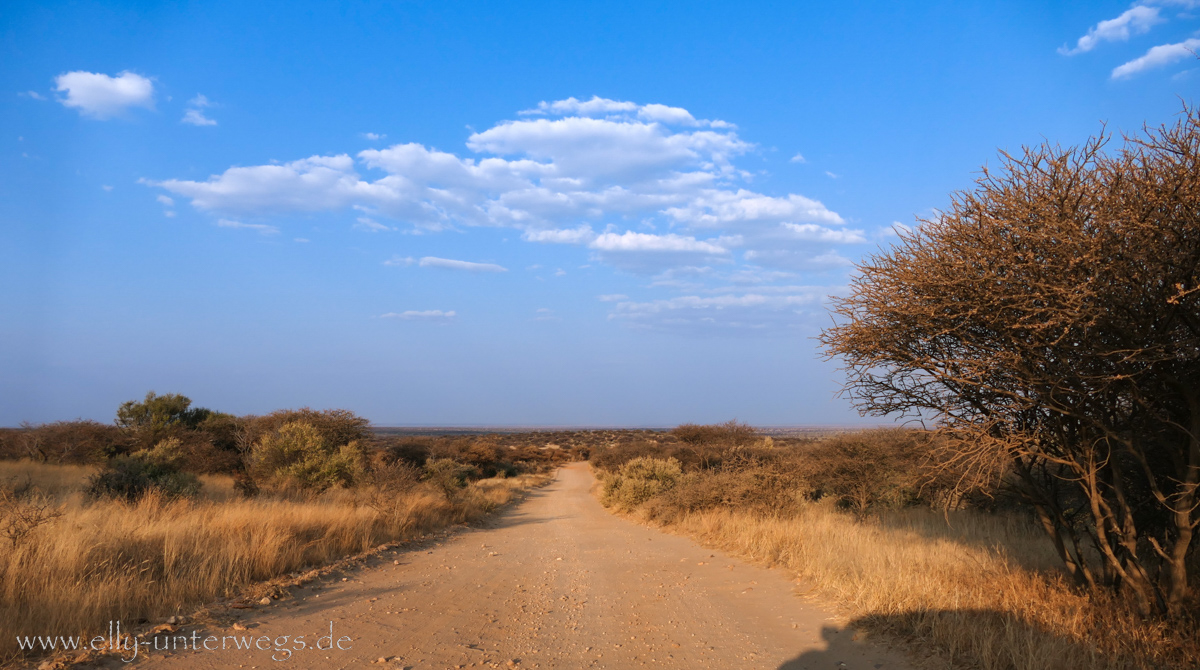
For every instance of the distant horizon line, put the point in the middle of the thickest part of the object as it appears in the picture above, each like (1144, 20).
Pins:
(509, 426)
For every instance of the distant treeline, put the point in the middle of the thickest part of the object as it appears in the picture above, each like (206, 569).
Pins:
(153, 440)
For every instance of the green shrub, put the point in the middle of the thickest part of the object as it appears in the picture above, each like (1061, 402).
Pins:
(611, 458)
(336, 426)
(133, 476)
(768, 490)
(299, 455)
(865, 472)
(482, 453)
(413, 451)
(640, 480)
(448, 475)
(159, 417)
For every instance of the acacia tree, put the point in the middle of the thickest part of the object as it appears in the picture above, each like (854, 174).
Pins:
(155, 416)
(1049, 321)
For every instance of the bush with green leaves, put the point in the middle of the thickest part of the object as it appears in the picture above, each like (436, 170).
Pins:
(133, 476)
(158, 416)
(298, 455)
(448, 475)
(336, 426)
(640, 480)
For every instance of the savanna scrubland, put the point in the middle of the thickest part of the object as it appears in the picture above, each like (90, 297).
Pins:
(877, 528)
(174, 506)
(1047, 326)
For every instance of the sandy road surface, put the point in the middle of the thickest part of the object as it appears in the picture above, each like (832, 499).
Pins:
(555, 582)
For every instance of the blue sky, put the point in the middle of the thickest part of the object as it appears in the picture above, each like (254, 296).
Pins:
(535, 213)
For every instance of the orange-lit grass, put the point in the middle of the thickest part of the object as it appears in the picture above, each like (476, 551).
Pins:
(978, 590)
(110, 560)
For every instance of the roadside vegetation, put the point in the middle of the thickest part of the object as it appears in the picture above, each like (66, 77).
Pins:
(877, 526)
(1048, 322)
(1047, 325)
(174, 506)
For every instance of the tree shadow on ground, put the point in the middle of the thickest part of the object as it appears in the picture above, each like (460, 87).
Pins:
(944, 638)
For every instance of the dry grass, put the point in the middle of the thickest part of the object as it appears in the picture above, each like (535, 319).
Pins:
(50, 479)
(855, 517)
(978, 590)
(113, 560)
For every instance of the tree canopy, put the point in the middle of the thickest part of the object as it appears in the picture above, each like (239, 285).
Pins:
(160, 411)
(1049, 321)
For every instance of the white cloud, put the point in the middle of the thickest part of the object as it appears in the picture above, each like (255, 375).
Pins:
(468, 266)
(595, 106)
(1158, 56)
(716, 302)
(302, 240)
(560, 273)
(33, 94)
(686, 278)
(603, 149)
(196, 117)
(101, 96)
(370, 225)
(195, 113)
(645, 253)
(756, 275)
(398, 261)
(798, 158)
(759, 310)
(665, 114)
(894, 230)
(262, 228)
(169, 214)
(631, 241)
(692, 278)
(559, 174)
(1136, 20)
(811, 231)
(372, 136)
(799, 260)
(580, 235)
(435, 315)
(713, 208)
(612, 297)
(106, 187)
(166, 201)
(310, 184)
(622, 110)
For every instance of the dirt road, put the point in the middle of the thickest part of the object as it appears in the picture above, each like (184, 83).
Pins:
(555, 582)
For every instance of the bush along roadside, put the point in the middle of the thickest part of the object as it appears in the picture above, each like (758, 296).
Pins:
(878, 526)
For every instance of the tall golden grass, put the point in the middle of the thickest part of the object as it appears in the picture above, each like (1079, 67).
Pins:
(978, 590)
(50, 479)
(110, 560)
